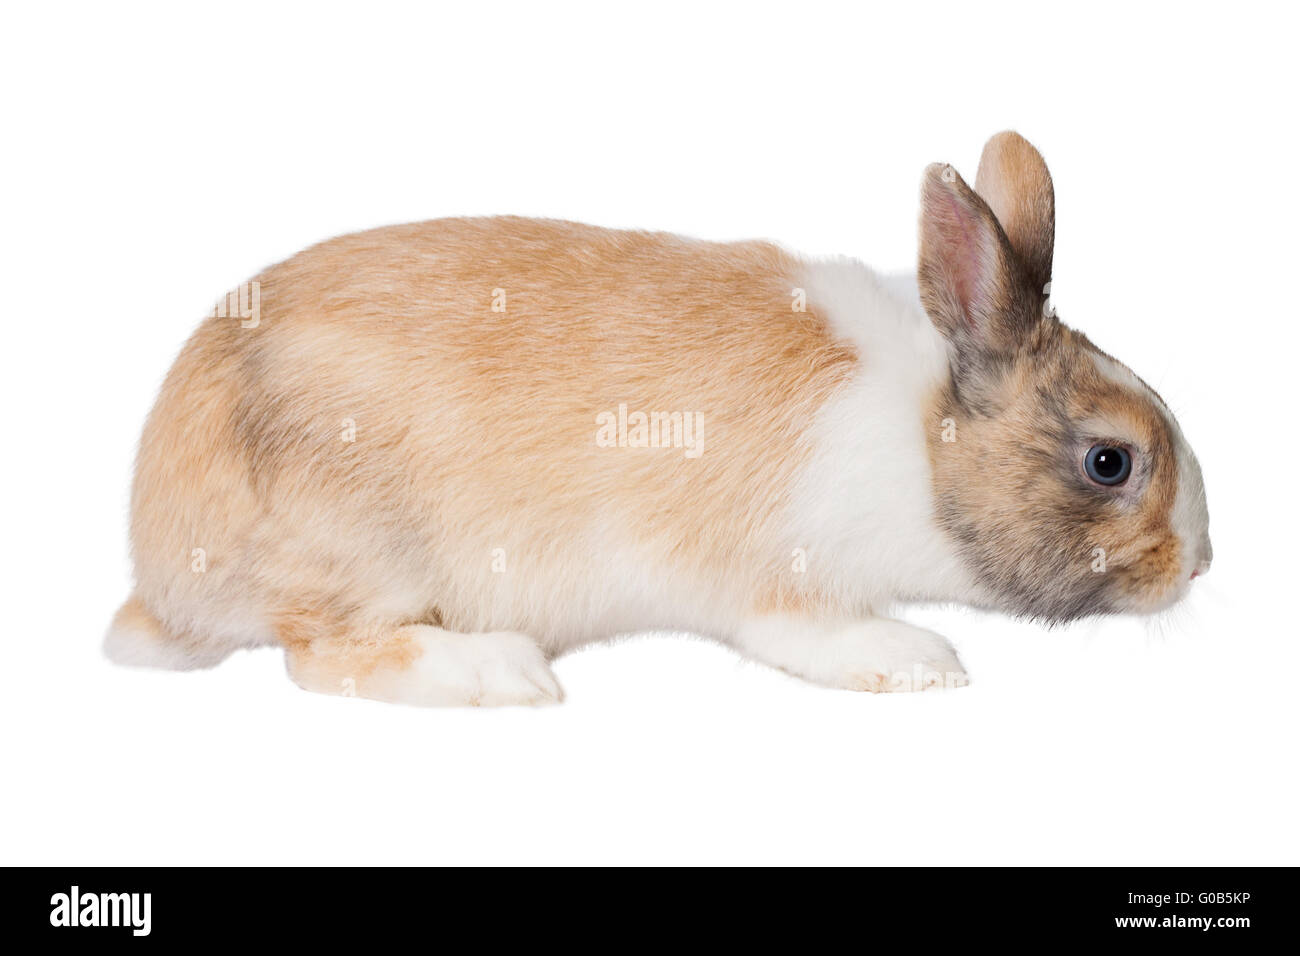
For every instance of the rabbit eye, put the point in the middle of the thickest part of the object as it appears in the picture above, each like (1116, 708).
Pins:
(1107, 464)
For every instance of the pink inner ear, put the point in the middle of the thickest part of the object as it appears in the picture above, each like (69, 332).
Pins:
(965, 255)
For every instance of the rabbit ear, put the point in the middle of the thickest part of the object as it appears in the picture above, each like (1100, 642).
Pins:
(1014, 181)
(971, 284)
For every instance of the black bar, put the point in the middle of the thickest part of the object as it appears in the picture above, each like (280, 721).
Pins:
(369, 906)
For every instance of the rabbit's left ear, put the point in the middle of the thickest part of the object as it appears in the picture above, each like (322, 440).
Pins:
(972, 284)
(1014, 181)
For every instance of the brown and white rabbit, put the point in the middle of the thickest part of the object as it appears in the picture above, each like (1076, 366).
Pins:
(432, 457)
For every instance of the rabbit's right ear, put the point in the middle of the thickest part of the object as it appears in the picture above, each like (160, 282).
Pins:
(1014, 181)
(971, 284)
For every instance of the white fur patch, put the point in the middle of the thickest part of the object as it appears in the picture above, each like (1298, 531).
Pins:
(133, 645)
(865, 506)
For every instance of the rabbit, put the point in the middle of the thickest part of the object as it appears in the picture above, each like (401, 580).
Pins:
(429, 458)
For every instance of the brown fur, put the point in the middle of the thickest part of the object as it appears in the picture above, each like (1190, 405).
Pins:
(1029, 399)
(1012, 489)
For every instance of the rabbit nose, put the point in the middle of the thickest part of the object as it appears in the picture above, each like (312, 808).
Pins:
(1203, 565)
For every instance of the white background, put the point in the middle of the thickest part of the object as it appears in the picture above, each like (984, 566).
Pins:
(157, 156)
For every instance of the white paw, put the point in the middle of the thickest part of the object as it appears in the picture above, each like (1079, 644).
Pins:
(887, 656)
(493, 669)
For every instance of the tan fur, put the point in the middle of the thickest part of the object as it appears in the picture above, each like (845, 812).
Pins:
(475, 429)
(1014, 181)
(133, 616)
(327, 655)
(1012, 485)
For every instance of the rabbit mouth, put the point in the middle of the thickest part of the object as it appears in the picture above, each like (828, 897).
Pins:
(1068, 585)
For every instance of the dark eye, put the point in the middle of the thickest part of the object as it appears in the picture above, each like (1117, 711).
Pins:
(1107, 465)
